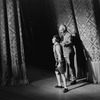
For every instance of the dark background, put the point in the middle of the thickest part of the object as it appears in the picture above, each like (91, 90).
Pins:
(39, 25)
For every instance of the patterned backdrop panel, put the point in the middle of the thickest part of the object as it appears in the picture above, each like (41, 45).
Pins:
(16, 42)
(3, 49)
(23, 69)
(11, 44)
(85, 18)
(86, 22)
(12, 36)
(64, 14)
(84, 14)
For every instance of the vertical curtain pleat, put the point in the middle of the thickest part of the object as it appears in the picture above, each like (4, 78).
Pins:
(22, 69)
(3, 48)
(11, 44)
(12, 39)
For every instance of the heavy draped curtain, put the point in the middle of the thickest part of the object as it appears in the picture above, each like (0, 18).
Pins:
(87, 23)
(12, 59)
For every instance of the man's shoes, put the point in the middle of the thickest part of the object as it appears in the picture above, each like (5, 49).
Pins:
(65, 90)
(73, 82)
(58, 86)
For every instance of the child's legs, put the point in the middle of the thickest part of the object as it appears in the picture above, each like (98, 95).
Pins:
(58, 78)
(64, 80)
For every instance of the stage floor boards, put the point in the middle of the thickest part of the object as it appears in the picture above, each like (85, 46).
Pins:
(41, 87)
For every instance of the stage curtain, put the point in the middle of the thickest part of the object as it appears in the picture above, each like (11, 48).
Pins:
(64, 14)
(86, 12)
(12, 59)
(88, 24)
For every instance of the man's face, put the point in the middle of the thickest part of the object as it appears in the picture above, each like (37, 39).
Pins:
(61, 29)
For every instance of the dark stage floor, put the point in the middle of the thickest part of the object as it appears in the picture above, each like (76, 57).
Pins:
(41, 87)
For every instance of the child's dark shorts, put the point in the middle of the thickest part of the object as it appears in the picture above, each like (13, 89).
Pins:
(62, 68)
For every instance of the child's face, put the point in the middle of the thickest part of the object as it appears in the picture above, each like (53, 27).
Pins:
(54, 40)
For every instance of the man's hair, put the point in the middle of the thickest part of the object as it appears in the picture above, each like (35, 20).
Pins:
(63, 26)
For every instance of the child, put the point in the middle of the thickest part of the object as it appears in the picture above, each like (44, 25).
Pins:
(60, 63)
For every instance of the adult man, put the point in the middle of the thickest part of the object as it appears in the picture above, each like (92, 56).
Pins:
(69, 53)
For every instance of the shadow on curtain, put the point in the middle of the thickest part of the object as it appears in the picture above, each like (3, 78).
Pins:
(66, 14)
(86, 15)
(12, 60)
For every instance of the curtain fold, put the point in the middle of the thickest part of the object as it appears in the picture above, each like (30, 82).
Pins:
(87, 19)
(64, 13)
(13, 67)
